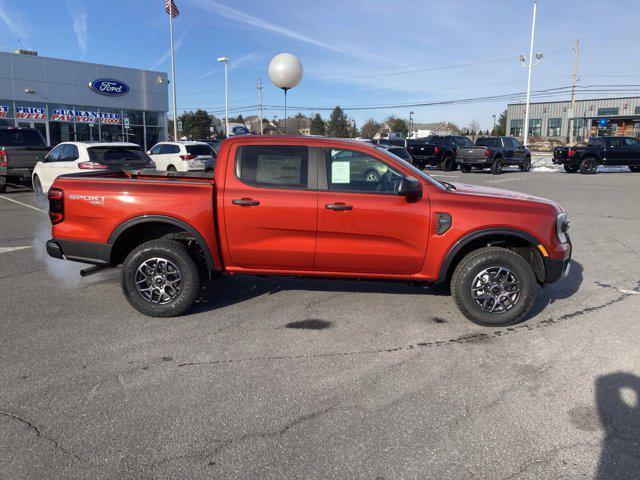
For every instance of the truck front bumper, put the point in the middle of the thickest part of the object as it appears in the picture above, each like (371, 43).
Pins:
(85, 252)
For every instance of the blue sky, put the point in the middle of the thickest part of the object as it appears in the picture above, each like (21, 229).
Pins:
(354, 53)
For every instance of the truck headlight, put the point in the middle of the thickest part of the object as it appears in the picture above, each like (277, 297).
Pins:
(562, 227)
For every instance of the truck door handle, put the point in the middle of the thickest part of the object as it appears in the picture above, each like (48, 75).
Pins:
(245, 202)
(338, 206)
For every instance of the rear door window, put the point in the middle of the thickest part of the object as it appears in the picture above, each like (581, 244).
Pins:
(171, 148)
(199, 150)
(488, 142)
(285, 166)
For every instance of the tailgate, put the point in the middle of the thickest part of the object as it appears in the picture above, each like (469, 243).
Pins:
(424, 150)
(560, 153)
(24, 157)
(471, 153)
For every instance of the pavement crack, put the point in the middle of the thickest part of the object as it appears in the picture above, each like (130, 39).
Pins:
(38, 432)
(223, 445)
(468, 338)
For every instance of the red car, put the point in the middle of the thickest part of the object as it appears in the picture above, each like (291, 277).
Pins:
(309, 207)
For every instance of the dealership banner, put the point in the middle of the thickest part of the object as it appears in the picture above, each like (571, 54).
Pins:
(4, 111)
(84, 116)
(31, 113)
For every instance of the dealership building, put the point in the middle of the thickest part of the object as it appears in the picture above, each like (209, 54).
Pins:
(596, 116)
(69, 100)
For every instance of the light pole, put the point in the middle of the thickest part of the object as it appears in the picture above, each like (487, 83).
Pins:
(410, 123)
(493, 132)
(226, 95)
(529, 66)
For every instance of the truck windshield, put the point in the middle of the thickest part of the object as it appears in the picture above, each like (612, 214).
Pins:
(488, 142)
(200, 150)
(21, 138)
(119, 156)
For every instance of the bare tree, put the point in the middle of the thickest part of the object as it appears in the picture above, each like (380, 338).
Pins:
(474, 129)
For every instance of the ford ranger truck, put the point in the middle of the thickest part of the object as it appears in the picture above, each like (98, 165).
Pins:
(300, 206)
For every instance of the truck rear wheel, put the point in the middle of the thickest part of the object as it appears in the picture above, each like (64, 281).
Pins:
(160, 279)
(447, 164)
(494, 286)
(588, 166)
(496, 166)
(526, 165)
(465, 168)
(571, 168)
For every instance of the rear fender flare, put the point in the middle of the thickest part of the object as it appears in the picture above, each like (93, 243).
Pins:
(123, 227)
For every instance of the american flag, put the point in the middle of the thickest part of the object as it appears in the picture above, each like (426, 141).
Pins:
(170, 5)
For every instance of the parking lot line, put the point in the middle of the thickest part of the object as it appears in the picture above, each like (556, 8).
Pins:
(13, 249)
(23, 204)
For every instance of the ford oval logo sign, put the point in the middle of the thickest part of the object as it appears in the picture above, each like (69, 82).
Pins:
(108, 87)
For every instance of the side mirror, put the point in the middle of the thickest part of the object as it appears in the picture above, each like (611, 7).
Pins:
(410, 187)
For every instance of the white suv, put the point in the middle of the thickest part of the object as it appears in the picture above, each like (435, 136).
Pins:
(181, 156)
(75, 157)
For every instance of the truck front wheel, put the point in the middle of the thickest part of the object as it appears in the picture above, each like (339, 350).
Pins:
(494, 287)
(160, 279)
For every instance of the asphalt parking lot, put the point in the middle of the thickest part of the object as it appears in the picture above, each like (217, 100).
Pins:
(286, 378)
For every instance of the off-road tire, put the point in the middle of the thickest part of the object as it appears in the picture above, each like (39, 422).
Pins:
(465, 168)
(571, 168)
(474, 263)
(496, 166)
(177, 254)
(526, 165)
(447, 164)
(588, 166)
(37, 189)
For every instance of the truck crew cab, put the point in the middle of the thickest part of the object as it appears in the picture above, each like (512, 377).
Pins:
(306, 206)
(608, 151)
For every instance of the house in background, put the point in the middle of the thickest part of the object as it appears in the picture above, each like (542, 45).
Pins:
(422, 130)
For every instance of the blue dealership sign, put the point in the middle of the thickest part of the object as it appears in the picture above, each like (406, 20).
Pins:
(108, 87)
(239, 130)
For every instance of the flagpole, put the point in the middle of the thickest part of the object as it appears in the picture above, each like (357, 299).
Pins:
(173, 76)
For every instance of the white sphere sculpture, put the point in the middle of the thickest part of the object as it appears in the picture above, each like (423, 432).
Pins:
(285, 71)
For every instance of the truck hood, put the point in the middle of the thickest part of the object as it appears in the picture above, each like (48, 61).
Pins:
(467, 189)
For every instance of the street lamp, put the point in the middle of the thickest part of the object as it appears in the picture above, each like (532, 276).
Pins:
(226, 96)
(285, 71)
(410, 123)
(529, 66)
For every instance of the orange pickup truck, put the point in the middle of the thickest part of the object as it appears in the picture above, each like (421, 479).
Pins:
(306, 206)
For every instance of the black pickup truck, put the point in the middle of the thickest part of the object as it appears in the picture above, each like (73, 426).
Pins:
(437, 150)
(20, 150)
(494, 153)
(609, 151)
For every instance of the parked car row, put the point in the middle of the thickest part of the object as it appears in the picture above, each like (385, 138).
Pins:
(25, 156)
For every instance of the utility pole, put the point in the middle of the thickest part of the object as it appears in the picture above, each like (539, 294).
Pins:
(260, 103)
(529, 65)
(572, 116)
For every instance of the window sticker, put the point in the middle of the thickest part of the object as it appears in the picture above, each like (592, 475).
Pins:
(278, 169)
(340, 172)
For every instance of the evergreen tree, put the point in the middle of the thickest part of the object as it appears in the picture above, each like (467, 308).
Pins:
(396, 124)
(369, 128)
(338, 124)
(317, 125)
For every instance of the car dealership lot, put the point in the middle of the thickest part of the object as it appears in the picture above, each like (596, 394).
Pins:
(273, 378)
